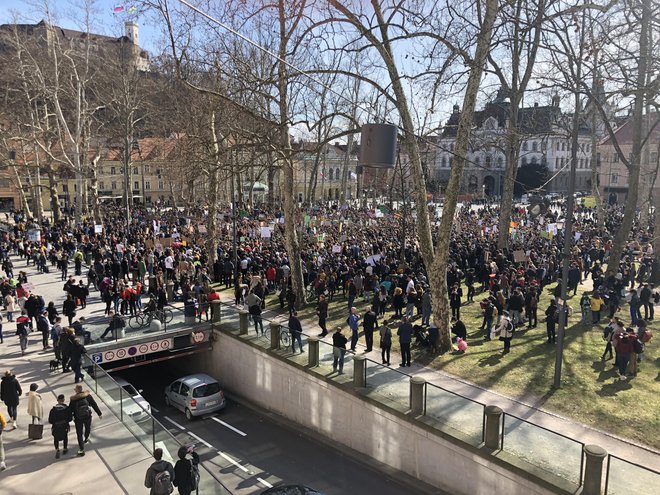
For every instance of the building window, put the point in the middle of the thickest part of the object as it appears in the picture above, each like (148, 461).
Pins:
(558, 145)
(337, 175)
(444, 162)
(615, 157)
(147, 169)
(524, 146)
(653, 158)
(330, 174)
(500, 162)
(147, 185)
(535, 146)
(112, 171)
(614, 179)
(114, 186)
(161, 185)
(523, 162)
(136, 185)
(135, 170)
(489, 161)
(563, 146)
(101, 186)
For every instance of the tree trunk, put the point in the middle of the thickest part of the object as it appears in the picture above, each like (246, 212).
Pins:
(512, 153)
(621, 238)
(212, 220)
(437, 273)
(290, 204)
(54, 198)
(25, 204)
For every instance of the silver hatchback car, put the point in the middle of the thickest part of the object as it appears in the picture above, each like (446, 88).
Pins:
(195, 395)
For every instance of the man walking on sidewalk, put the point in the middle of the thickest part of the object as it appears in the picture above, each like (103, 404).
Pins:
(81, 405)
(60, 416)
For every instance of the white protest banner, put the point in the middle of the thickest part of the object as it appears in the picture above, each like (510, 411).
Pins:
(336, 249)
(98, 229)
(265, 232)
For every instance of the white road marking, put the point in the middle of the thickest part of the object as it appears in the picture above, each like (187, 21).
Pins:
(235, 463)
(264, 482)
(174, 423)
(200, 439)
(243, 434)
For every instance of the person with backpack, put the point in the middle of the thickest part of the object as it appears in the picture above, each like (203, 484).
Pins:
(385, 342)
(506, 331)
(160, 475)
(186, 471)
(81, 405)
(23, 327)
(60, 416)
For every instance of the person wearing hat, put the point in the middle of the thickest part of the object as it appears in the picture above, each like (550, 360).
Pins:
(60, 416)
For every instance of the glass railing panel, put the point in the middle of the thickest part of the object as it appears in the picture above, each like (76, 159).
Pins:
(459, 413)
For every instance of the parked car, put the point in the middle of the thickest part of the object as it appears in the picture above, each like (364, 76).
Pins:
(195, 395)
(138, 406)
(290, 490)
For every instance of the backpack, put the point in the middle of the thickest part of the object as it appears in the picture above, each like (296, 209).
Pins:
(163, 483)
(638, 347)
(646, 336)
(194, 476)
(82, 409)
(510, 328)
(387, 339)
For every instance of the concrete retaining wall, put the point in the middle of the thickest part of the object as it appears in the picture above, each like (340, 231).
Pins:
(343, 416)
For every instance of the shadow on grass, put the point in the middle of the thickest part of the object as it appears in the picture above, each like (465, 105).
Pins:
(613, 388)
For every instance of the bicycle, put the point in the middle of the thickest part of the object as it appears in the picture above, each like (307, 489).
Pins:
(162, 315)
(285, 337)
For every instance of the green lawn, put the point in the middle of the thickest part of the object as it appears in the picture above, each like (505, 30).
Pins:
(591, 391)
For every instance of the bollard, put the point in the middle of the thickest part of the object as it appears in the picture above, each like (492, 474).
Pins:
(274, 335)
(360, 371)
(155, 326)
(417, 385)
(243, 322)
(169, 289)
(593, 470)
(493, 423)
(216, 308)
(121, 333)
(313, 349)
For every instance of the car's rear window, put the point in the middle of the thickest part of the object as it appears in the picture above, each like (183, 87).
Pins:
(206, 390)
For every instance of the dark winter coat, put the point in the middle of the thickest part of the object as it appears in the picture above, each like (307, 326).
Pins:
(10, 390)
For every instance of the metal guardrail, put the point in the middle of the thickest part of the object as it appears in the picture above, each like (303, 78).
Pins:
(141, 423)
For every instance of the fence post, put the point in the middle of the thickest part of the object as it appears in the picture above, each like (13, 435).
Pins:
(121, 405)
(313, 349)
(360, 371)
(493, 418)
(593, 471)
(243, 322)
(417, 384)
(274, 335)
(216, 308)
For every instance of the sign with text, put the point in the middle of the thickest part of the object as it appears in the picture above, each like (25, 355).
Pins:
(132, 351)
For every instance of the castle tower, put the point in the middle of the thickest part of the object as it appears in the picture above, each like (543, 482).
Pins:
(132, 32)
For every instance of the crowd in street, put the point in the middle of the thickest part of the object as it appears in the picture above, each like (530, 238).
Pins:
(350, 257)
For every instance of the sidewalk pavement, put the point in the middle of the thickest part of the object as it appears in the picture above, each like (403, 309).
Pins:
(636, 453)
(115, 462)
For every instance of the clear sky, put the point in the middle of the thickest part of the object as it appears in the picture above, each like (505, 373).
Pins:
(69, 14)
